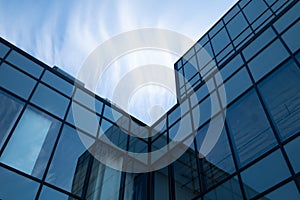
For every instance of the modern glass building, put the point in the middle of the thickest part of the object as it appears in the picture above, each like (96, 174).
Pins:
(238, 90)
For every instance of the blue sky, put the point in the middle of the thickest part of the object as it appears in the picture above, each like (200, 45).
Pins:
(64, 33)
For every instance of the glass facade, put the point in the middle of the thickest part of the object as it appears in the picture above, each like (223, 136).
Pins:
(243, 77)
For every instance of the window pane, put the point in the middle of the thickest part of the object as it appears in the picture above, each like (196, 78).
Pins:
(267, 60)
(214, 152)
(10, 109)
(204, 56)
(289, 191)
(104, 182)
(30, 146)
(254, 9)
(24, 63)
(237, 25)
(236, 85)
(84, 119)
(111, 114)
(250, 128)
(190, 68)
(292, 149)
(161, 186)
(51, 194)
(20, 84)
(136, 186)
(231, 67)
(228, 190)
(220, 41)
(283, 100)
(265, 174)
(58, 83)
(50, 100)
(68, 168)
(291, 37)
(3, 50)
(88, 100)
(15, 186)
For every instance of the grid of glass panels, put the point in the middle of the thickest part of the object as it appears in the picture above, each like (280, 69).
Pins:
(255, 46)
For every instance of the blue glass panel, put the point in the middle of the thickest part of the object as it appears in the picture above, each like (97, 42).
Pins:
(20, 84)
(215, 28)
(58, 83)
(31, 143)
(88, 100)
(264, 174)
(51, 194)
(288, 18)
(259, 23)
(254, 9)
(10, 109)
(14, 186)
(236, 85)
(267, 60)
(174, 115)
(289, 191)
(258, 43)
(220, 41)
(214, 152)
(231, 67)
(24, 63)
(281, 94)
(250, 128)
(161, 186)
(291, 37)
(228, 190)
(69, 164)
(50, 100)
(3, 50)
(234, 10)
(190, 68)
(237, 25)
(111, 114)
(204, 56)
(292, 149)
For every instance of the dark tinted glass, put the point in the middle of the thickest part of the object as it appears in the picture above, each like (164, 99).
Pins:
(3, 50)
(10, 109)
(265, 174)
(291, 37)
(24, 63)
(58, 83)
(14, 186)
(50, 100)
(237, 25)
(281, 92)
(289, 191)
(292, 149)
(20, 84)
(220, 41)
(69, 165)
(51, 194)
(161, 186)
(254, 9)
(250, 128)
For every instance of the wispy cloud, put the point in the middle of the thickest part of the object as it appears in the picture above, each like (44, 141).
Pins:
(64, 33)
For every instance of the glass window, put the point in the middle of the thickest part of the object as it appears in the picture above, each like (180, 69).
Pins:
(292, 149)
(237, 25)
(231, 67)
(136, 186)
(216, 28)
(199, 94)
(10, 109)
(111, 114)
(201, 42)
(139, 130)
(174, 115)
(189, 54)
(263, 19)
(104, 182)
(20, 84)
(267, 60)
(243, 37)
(50, 194)
(137, 145)
(264, 174)
(3, 50)
(190, 68)
(283, 100)
(50, 100)
(254, 9)
(83, 119)
(24, 63)
(258, 43)
(288, 18)
(291, 37)
(87, 100)
(233, 11)
(15, 186)
(186, 176)
(250, 128)
(58, 83)
(181, 130)
(236, 85)
(161, 186)
(220, 41)
(70, 162)
(31, 143)
(289, 191)
(204, 56)
(228, 190)
(214, 152)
